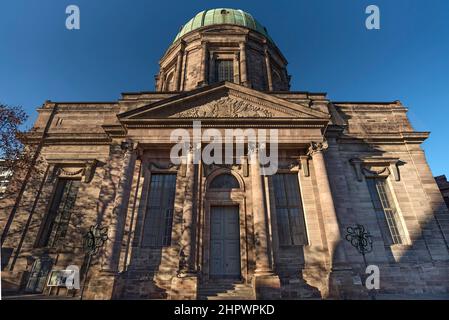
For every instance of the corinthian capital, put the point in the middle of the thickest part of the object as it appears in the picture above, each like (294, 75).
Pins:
(255, 148)
(317, 147)
(127, 145)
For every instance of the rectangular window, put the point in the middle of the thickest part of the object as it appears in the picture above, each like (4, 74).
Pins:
(289, 210)
(224, 70)
(385, 208)
(159, 212)
(58, 217)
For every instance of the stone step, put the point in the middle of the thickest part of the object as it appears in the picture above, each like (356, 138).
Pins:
(229, 298)
(297, 288)
(229, 291)
(226, 290)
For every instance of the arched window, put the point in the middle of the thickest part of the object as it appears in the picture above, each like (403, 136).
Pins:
(225, 181)
(169, 82)
(277, 80)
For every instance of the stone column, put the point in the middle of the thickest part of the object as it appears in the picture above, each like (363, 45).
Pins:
(236, 67)
(268, 66)
(186, 252)
(266, 283)
(179, 67)
(116, 222)
(160, 85)
(211, 60)
(204, 65)
(331, 226)
(184, 285)
(243, 67)
(259, 215)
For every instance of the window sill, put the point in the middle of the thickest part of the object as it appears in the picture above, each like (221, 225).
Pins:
(399, 246)
(292, 246)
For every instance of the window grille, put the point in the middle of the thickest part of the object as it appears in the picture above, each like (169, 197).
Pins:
(289, 210)
(385, 208)
(159, 212)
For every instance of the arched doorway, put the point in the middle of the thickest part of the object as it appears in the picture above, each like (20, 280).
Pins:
(224, 230)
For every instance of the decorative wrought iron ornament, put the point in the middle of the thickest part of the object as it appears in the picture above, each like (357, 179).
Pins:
(360, 238)
(95, 238)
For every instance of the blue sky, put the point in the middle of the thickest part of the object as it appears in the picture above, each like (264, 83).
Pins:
(326, 43)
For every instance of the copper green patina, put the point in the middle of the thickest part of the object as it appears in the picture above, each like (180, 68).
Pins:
(222, 16)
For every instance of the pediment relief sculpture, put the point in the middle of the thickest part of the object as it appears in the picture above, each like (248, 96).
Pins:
(226, 107)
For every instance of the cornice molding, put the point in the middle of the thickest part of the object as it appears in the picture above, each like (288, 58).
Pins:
(363, 167)
(73, 168)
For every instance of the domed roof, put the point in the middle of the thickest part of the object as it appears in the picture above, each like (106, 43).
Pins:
(222, 16)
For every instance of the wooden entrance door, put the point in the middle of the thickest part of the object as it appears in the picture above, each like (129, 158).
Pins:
(225, 242)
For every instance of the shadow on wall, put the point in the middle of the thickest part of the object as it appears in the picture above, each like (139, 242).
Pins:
(417, 268)
(22, 241)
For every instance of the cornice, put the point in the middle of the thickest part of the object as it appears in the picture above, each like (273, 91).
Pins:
(224, 126)
(75, 138)
(370, 108)
(393, 138)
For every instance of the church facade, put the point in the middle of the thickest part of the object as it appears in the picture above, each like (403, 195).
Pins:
(195, 230)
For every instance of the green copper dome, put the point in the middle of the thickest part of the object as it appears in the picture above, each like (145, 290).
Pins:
(222, 16)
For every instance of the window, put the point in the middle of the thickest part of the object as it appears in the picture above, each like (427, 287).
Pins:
(385, 209)
(58, 217)
(289, 211)
(159, 212)
(224, 70)
(224, 181)
(169, 83)
(277, 80)
(39, 274)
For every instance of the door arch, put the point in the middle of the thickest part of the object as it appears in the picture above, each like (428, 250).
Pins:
(224, 205)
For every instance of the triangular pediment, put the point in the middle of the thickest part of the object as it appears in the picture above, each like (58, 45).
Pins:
(224, 101)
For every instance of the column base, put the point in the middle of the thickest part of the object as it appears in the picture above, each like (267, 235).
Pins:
(100, 286)
(345, 284)
(184, 288)
(201, 84)
(267, 286)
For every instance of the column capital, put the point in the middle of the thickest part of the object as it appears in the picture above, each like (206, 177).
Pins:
(256, 147)
(204, 43)
(316, 147)
(265, 49)
(254, 150)
(127, 145)
(192, 147)
(182, 45)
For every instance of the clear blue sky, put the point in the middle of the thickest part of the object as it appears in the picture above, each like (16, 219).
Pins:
(326, 43)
